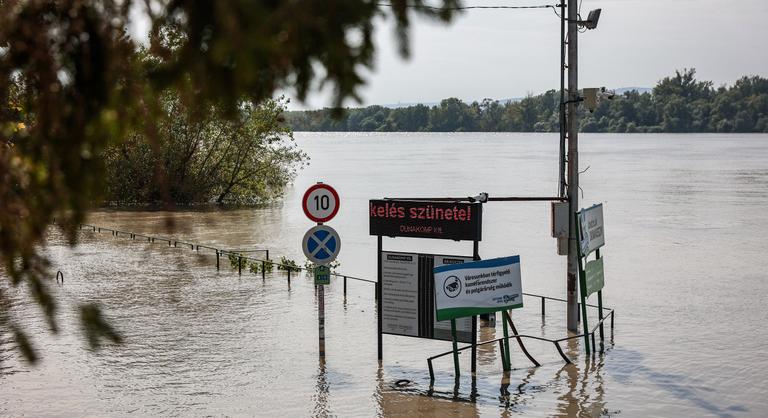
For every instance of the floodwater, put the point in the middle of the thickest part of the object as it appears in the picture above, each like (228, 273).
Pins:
(685, 252)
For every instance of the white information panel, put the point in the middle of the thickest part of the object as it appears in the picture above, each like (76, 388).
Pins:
(400, 293)
(592, 229)
(442, 329)
(487, 286)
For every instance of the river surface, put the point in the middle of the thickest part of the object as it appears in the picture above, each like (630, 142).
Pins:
(685, 254)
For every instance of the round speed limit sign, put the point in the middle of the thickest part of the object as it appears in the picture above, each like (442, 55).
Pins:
(320, 203)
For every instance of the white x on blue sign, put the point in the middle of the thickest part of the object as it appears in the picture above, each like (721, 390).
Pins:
(321, 244)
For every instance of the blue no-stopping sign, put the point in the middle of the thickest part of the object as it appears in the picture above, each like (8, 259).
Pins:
(321, 244)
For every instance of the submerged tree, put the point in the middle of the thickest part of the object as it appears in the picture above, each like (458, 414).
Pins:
(206, 158)
(82, 87)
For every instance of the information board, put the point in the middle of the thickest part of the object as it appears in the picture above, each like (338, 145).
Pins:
(592, 229)
(442, 329)
(479, 287)
(400, 293)
(408, 298)
(426, 219)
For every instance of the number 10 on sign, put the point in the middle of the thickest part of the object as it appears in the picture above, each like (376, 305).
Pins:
(320, 203)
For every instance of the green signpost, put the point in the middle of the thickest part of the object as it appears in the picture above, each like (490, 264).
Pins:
(591, 274)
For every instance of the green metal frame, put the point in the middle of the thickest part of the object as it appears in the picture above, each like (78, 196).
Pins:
(506, 358)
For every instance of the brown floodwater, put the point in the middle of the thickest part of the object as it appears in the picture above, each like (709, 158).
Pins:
(685, 254)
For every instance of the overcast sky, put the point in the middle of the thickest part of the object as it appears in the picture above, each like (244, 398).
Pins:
(509, 53)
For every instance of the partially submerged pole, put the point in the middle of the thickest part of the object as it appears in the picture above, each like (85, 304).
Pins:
(321, 318)
(573, 163)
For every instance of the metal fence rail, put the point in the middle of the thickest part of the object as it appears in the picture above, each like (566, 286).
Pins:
(242, 259)
(505, 340)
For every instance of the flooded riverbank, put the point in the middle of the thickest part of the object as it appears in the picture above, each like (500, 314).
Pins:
(684, 247)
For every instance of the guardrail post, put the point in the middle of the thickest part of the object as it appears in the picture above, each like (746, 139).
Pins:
(263, 270)
(542, 306)
(431, 373)
(239, 264)
(217, 259)
(600, 313)
(504, 359)
(345, 286)
(560, 350)
(289, 275)
(267, 254)
(612, 311)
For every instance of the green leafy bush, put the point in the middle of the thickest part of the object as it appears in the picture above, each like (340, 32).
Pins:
(287, 264)
(235, 259)
(256, 267)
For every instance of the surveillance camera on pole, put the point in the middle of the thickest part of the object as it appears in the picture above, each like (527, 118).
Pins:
(593, 95)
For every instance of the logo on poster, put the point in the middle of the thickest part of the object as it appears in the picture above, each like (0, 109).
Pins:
(452, 286)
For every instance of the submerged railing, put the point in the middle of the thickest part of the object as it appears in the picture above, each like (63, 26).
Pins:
(519, 337)
(242, 259)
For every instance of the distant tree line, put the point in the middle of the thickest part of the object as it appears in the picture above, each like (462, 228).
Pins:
(679, 103)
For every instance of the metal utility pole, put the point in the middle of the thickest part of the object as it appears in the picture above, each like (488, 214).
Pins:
(563, 128)
(573, 163)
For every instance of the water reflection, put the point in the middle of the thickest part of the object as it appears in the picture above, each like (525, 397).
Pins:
(487, 354)
(508, 400)
(585, 394)
(322, 391)
(406, 400)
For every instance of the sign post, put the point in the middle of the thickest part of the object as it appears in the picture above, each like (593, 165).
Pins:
(321, 319)
(321, 244)
(476, 288)
(591, 275)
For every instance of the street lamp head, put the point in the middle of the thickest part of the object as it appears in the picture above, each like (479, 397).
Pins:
(592, 19)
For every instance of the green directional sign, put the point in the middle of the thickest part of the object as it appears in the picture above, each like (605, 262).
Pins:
(322, 275)
(594, 276)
